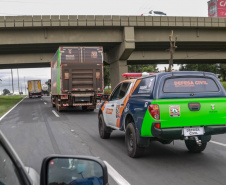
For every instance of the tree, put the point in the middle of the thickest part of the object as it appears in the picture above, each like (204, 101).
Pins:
(5, 91)
(200, 67)
(141, 68)
(131, 69)
(222, 71)
(107, 75)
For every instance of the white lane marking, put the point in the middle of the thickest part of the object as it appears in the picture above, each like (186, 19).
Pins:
(55, 113)
(115, 175)
(45, 103)
(12, 108)
(217, 143)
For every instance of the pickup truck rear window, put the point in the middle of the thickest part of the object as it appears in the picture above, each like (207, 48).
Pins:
(190, 85)
(145, 87)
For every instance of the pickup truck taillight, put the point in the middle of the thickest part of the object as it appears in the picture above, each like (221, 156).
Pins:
(154, 111)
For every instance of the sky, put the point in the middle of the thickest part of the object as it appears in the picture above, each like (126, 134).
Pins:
(197, 8)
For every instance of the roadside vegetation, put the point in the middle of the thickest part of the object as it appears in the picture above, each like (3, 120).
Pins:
(107, 91)
(7, 102)
(224, 84)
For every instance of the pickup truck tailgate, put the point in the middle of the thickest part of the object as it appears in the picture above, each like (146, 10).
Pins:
(192, 112)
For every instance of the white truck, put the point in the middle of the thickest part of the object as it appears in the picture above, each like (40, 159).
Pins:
(34, 88)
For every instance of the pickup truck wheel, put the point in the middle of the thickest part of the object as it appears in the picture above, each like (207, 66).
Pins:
(103, 128)
(193, 147)
(131, 142)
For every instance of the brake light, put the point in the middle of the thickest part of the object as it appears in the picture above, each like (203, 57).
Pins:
(154, 111)
(157, 125)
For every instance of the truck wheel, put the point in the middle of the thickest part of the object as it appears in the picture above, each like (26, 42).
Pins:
(103, 129)
(84, 108)
(58, 108)
(193, 147)
(53, 105)
(131, 142)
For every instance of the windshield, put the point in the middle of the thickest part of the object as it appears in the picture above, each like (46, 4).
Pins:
(190, 85)
(62, 91)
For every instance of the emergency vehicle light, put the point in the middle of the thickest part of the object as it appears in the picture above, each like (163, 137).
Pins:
(129, 75)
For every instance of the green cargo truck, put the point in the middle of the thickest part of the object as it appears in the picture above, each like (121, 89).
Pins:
(76, 77)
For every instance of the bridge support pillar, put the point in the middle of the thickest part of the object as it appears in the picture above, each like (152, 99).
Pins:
(116, 70)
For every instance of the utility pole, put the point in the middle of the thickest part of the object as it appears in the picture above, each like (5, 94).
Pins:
(24, 86)
(172, 50)
(0, 86)
(18, 81)
(12, 80)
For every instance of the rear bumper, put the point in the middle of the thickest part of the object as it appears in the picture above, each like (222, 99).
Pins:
(177, 133)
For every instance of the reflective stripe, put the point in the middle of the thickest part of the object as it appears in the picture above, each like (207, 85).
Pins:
(81, 104)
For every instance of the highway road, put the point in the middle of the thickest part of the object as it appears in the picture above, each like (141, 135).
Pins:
(35, 131)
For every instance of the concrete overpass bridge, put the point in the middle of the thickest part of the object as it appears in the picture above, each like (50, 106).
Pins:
(31, 41)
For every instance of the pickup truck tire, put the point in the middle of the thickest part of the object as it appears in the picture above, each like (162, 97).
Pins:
(193, 147)
(104, 131)
(133, 149)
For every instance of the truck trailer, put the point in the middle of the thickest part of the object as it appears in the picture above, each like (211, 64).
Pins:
(34, 88)
(76, 77)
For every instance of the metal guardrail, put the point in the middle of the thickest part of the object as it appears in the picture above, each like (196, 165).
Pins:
(108, 20)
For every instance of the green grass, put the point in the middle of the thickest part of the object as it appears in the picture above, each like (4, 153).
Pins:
(107, 91)
(224, 84)
(7, 102)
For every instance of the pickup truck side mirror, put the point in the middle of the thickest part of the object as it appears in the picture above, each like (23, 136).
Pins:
(73, 170)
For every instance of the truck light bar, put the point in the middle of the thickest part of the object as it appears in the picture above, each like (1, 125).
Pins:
(134, 75)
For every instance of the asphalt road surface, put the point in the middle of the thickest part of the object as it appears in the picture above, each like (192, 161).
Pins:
(35, 131)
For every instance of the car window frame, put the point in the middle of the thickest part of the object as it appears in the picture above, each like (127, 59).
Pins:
(13, 167)
(110, 98)
(129, 84)
(23, 176)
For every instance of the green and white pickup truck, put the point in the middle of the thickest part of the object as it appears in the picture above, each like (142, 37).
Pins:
(163, 107)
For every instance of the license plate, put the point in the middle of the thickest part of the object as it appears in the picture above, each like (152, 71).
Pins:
(194, 131)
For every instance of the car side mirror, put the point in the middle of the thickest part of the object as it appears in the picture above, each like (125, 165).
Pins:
(105, 97)
(73, 170)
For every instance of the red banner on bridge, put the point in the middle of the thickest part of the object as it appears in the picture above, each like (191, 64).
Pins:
(221, 8)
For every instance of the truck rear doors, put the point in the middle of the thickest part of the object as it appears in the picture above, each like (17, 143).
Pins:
(82, 69)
